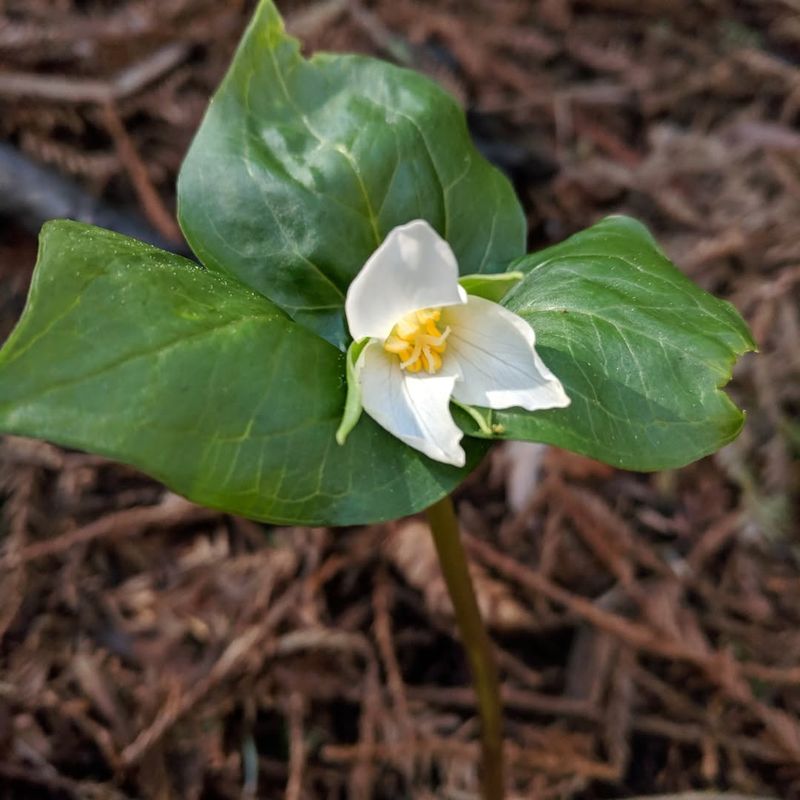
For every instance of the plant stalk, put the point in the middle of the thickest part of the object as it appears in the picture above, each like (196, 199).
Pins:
(444, 526)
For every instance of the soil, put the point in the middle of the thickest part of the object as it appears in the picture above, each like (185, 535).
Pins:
(647, 626)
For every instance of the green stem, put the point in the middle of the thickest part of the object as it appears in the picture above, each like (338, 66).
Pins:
(444, 526)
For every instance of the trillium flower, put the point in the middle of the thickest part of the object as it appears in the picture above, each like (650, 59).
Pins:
(420, 342)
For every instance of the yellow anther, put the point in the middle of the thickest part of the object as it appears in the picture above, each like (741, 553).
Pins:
(429, 315)
(431, 329)
(394, 344)
(417, 342)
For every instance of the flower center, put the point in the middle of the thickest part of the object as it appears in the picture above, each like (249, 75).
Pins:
(417, 342)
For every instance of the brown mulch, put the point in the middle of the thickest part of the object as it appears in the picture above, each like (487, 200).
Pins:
(647, 627)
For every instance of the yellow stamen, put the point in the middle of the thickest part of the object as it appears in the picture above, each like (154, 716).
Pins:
(417, 342)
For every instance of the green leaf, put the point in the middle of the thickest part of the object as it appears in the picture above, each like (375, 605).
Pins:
(642, 351)
(302, 167)
(140, 355)
(491, 287)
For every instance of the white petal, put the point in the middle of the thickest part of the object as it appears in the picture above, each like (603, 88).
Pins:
(413, 407)
(413, 268)
(499, 365)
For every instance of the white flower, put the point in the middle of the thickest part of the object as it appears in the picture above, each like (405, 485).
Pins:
(428, 342)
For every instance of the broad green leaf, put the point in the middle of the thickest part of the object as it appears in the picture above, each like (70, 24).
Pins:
(642, 351)
(302, 167)
(140, 355)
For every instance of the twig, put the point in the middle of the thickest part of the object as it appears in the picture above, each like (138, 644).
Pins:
(381, 603)
(297, 748)
(319, 15)
(559, 763)
(152, 204)
(517, 699)
(689, 733)
(360, 784)
(91, 90)
(172, 510)
(17, 512)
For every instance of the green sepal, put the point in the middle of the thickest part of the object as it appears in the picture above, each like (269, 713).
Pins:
(491, 287)
(484, 423)
(352, 405)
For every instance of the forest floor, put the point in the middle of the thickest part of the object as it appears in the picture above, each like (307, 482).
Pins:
(647, 626)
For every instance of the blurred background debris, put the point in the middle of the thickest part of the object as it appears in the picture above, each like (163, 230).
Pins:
(647, 626)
